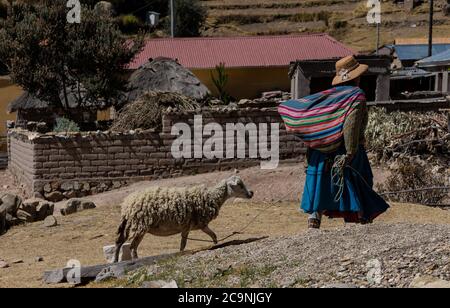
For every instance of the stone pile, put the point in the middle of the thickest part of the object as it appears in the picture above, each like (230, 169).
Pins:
(14, 211)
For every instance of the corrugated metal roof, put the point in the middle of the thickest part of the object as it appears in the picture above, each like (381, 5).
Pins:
(249, 51)
(418, 52)
(442, 58)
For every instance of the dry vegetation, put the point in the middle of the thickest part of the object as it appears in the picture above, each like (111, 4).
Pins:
(343, 19)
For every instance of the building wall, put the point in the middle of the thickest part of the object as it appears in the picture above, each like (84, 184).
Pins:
(248, 82)
(8, 92)
(84, 163)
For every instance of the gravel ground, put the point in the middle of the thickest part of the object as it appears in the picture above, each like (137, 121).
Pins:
(380, 255)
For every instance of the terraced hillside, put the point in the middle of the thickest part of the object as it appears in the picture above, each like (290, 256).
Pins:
(343, 19)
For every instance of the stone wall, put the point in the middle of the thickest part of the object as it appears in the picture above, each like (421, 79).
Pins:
(78, 164)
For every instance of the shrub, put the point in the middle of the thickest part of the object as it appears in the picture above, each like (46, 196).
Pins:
(64, 125)
(3, 9)
(130, 24)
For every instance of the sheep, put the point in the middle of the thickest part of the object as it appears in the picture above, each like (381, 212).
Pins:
(163, 211)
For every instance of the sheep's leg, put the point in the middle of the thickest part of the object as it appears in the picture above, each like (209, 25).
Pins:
(184, 238)
(211, 234)
(136, 240)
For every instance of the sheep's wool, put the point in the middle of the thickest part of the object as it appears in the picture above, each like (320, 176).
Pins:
(181, 206)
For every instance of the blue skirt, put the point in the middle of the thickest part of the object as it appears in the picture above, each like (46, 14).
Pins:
(359, 202)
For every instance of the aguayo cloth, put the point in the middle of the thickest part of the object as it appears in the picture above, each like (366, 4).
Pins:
(318, 119)
(359, 202)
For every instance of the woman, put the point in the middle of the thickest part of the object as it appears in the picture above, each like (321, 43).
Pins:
(332, 123)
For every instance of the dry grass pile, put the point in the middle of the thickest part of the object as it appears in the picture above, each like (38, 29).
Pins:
(412, 133)
(415, 181)
(146, 112)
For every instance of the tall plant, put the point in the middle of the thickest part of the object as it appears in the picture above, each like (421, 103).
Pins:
(220, 81)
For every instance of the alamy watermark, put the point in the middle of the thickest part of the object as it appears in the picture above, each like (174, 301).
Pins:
(374, 14)
(74, 14)
(231, 142)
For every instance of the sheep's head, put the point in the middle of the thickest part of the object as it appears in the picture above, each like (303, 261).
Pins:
(237, 189)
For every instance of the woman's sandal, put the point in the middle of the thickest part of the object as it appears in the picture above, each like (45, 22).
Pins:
(314, 223)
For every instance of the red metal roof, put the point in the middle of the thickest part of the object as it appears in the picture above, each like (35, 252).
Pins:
(247, 51)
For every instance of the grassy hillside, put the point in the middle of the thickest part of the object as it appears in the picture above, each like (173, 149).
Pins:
(343, 19)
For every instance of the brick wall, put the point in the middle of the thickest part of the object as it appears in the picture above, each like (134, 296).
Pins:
(58, 166)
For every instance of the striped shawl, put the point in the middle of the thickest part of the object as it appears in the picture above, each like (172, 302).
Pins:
(318, 119)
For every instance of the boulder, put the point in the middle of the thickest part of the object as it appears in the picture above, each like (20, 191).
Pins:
(35, 209)
(54, 196)
(50, 221)
(76, 205)
(10, 203)
(3, 264)
(124, 255)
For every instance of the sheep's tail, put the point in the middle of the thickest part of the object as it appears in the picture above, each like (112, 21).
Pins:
(121, 238)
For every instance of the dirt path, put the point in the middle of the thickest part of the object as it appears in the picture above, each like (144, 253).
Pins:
(82, 236)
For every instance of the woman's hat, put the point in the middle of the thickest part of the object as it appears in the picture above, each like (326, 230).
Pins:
(348, 69)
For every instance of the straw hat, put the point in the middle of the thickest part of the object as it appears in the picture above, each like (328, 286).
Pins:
(348, 69)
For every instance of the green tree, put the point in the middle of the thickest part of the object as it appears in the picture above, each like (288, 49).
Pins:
(190, 17)
(57, 61)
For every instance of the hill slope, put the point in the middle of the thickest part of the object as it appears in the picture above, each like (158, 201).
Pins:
(343, 19)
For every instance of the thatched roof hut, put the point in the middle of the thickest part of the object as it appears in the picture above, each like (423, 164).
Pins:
(165, 75)
(26, 101)
(31, 108)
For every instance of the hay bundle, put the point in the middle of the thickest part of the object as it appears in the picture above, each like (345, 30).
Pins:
(412, 133)
(146, 112)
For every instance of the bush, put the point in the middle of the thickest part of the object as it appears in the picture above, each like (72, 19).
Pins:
(191, 16)
(3, 9)
(64, 125)
(130, 24)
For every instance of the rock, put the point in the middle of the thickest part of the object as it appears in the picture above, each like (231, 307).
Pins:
(124, 255)
(70, 194)
(3, 264)
(10, 203)
(86, 187)
(44, 209)
(3, 225)
(38, 195)
(429, 282)
(66, 186)
(47, 188)
(160, 284)
(76, 205)
(12, 221)
(54, 196)
(38, 259)
(50, 221)
(25, 216)
(35, 210)
(111, 272)
(17, 261)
